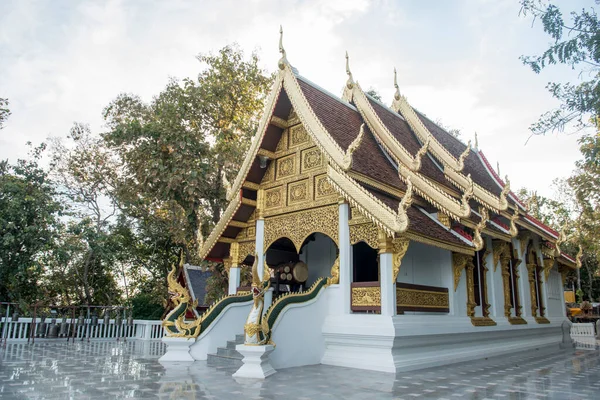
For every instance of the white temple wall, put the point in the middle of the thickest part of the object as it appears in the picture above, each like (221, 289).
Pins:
(297, 333)
(319, 255)
(423, 265)
(554, 306)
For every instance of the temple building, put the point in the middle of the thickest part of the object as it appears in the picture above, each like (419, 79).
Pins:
(379, 241)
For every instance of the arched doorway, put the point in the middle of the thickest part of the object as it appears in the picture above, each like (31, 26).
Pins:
(293, 271)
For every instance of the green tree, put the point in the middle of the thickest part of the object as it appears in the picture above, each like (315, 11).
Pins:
(175, 150)
(576, 43)
(87, 255)
(29, 215)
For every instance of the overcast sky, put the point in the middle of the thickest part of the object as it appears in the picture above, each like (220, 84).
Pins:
(62, 61)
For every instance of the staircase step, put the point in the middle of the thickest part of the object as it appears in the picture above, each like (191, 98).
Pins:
(231, 344)
(239, 339)
(215, 360)
(226, 352)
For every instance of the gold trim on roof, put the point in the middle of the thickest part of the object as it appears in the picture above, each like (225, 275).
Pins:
(221, 226)
(407, 165)
(454, 166)
(478, 241)
(369, 206)
(352, 148)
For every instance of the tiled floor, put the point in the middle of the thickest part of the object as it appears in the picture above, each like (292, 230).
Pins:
(111, 370)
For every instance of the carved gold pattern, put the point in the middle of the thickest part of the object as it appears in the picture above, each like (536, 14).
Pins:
(486, 303)
(335, 273)
(548, 264)
(444, 219)
(366, 232)
(459, 261)
(283, 141)
(298, 192)
(366, 296)
(298, 135)
(531, 272)
(299, 225)
(246, 249)
(421, 298)
(470, 289)
(274, 197)
(478, 240)
(399, 248)
(311, 159)
(482, 321)
(323, 187)
(524, 238)
(286, 166)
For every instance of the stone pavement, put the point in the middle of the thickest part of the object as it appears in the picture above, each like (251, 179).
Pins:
(124, 370)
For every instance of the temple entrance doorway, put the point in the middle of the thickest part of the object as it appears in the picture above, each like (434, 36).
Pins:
(295, 272)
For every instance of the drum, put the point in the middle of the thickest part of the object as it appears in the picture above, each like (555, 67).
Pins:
(299, 272)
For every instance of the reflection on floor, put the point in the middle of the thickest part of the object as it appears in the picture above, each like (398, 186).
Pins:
(116, 370)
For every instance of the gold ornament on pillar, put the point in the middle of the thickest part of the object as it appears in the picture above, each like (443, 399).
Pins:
(459, 261)
(399, 248)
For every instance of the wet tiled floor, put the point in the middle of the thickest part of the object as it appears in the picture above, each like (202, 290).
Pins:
(118, 370)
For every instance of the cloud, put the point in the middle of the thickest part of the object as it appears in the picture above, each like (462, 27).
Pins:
(63, 61)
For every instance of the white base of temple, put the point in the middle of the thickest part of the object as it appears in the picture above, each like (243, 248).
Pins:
(256, 362)
(178, 349)
(404, 343)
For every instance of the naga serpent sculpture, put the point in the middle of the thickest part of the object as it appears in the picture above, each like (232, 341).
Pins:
(174, 322)
(253, 329)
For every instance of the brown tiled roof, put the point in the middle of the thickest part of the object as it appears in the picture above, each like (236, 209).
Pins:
(404, 135)
(473, 164)
(419, 223)
(343, 122)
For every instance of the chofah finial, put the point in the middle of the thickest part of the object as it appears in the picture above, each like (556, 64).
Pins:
(350, 82)
(476, 142)
(283, 60)
(498, 167)
(397, 94)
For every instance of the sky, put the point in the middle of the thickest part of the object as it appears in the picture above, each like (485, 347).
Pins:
(63, 61)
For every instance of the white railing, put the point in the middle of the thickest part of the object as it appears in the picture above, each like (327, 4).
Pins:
(584, 336)
(24, 329)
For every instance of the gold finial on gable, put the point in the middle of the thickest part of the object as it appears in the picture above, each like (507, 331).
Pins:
(283, 60)
(397, 94)
(476, 142)
(350, 81)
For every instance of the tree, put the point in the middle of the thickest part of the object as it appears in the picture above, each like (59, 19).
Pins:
(87, 254)
(374, 94)
(4, 111)
(29, 215)
(577, 44)
(175, 150)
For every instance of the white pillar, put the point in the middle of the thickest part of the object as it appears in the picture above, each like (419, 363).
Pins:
(388, 288)
(260, 245)
(234, 279)
(345, 256)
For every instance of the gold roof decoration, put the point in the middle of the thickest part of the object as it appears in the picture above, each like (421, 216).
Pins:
(283, 61)
(408, 166)
(407, 199)
(381, 215)
(476, 142)
(478, 241)
(397, 92)
(464, 154)
(514, 231)
(562, 237)
(227, 186)
(454, 166)
(352, 148)
(350, 81)
(422, 151)
(579, 257)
